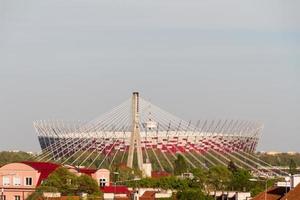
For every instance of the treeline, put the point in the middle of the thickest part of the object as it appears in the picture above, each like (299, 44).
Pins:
(217, 178)
(200, 181)
(281, 159)
(10, 157)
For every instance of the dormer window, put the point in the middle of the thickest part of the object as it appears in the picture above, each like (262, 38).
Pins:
(16, 181)
(6, 180)
(28, 181)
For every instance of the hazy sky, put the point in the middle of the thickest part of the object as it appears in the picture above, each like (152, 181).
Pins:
(197, 59)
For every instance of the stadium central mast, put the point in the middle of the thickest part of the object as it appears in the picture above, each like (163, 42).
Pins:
(135, 138)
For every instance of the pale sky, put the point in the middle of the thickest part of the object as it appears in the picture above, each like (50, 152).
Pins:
(197, 59)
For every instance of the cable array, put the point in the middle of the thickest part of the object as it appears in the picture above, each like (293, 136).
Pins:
(106, 138)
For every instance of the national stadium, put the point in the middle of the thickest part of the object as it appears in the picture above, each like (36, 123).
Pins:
(139, 133)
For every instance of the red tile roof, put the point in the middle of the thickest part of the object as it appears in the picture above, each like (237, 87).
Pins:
(148, 195)
(86, 171)
(274, 193)
(293, 194)
(119, 189)
(44, 168)
(158, 174)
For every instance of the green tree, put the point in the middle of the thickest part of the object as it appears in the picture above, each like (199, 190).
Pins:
(200, 177)
(87, 184)
(192, 194)
(62, 179)
(10, 157)
(68, 184)
(292, 167)
(232, 167)
(180, 165)
(219, 177)
(35, 195)
(240, 180)
(171, 182)
(39, 192)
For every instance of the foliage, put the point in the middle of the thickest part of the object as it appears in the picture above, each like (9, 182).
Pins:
(170, 182)
(292, 167)
(192, 194)
(232, 167)
(124, 173)
(200, 177)
(35, 195)
(180, 165)
(10, 157)
(65, 181)
(219, 177)
(216, 178)
(281, 159)
(256, 189)
(87, 184)
(68, 184)
(44, 188)
(240, 180)
(39, 192)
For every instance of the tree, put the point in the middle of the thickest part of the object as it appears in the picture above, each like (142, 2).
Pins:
(292, 167)
(170, 182)
(87, 184)
(219, 177)
(180, 165)
(39, 192)
(124, 173)
(200, 177)
(62, 179)
(240, 180)
(10, 157)
(192, 194)
(232, 167)
(68, 184)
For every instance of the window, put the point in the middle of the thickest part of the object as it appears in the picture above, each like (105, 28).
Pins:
(17, 197)
(28, 181)
(6, 180)
(2, 197)
(69, 181)
(102, 182)
(16, 181)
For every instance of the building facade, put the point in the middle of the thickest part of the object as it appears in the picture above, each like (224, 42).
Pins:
(19, 180)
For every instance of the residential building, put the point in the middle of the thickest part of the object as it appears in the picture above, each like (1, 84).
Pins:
(19, 180)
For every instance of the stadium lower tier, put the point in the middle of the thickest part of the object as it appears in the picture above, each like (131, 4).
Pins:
(66, 146)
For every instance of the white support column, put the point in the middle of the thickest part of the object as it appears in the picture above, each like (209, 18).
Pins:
(135, 139)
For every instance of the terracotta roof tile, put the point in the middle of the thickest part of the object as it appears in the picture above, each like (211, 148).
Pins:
(115, 189)
(274, 193)
(293, 194)
(148, 195)
(86, 171)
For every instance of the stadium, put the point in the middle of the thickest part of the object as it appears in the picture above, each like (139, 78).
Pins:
(138, 132)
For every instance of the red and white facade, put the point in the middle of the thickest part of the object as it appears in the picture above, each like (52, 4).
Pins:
(160, 132)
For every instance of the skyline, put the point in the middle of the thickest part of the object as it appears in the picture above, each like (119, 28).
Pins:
(90, 56)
